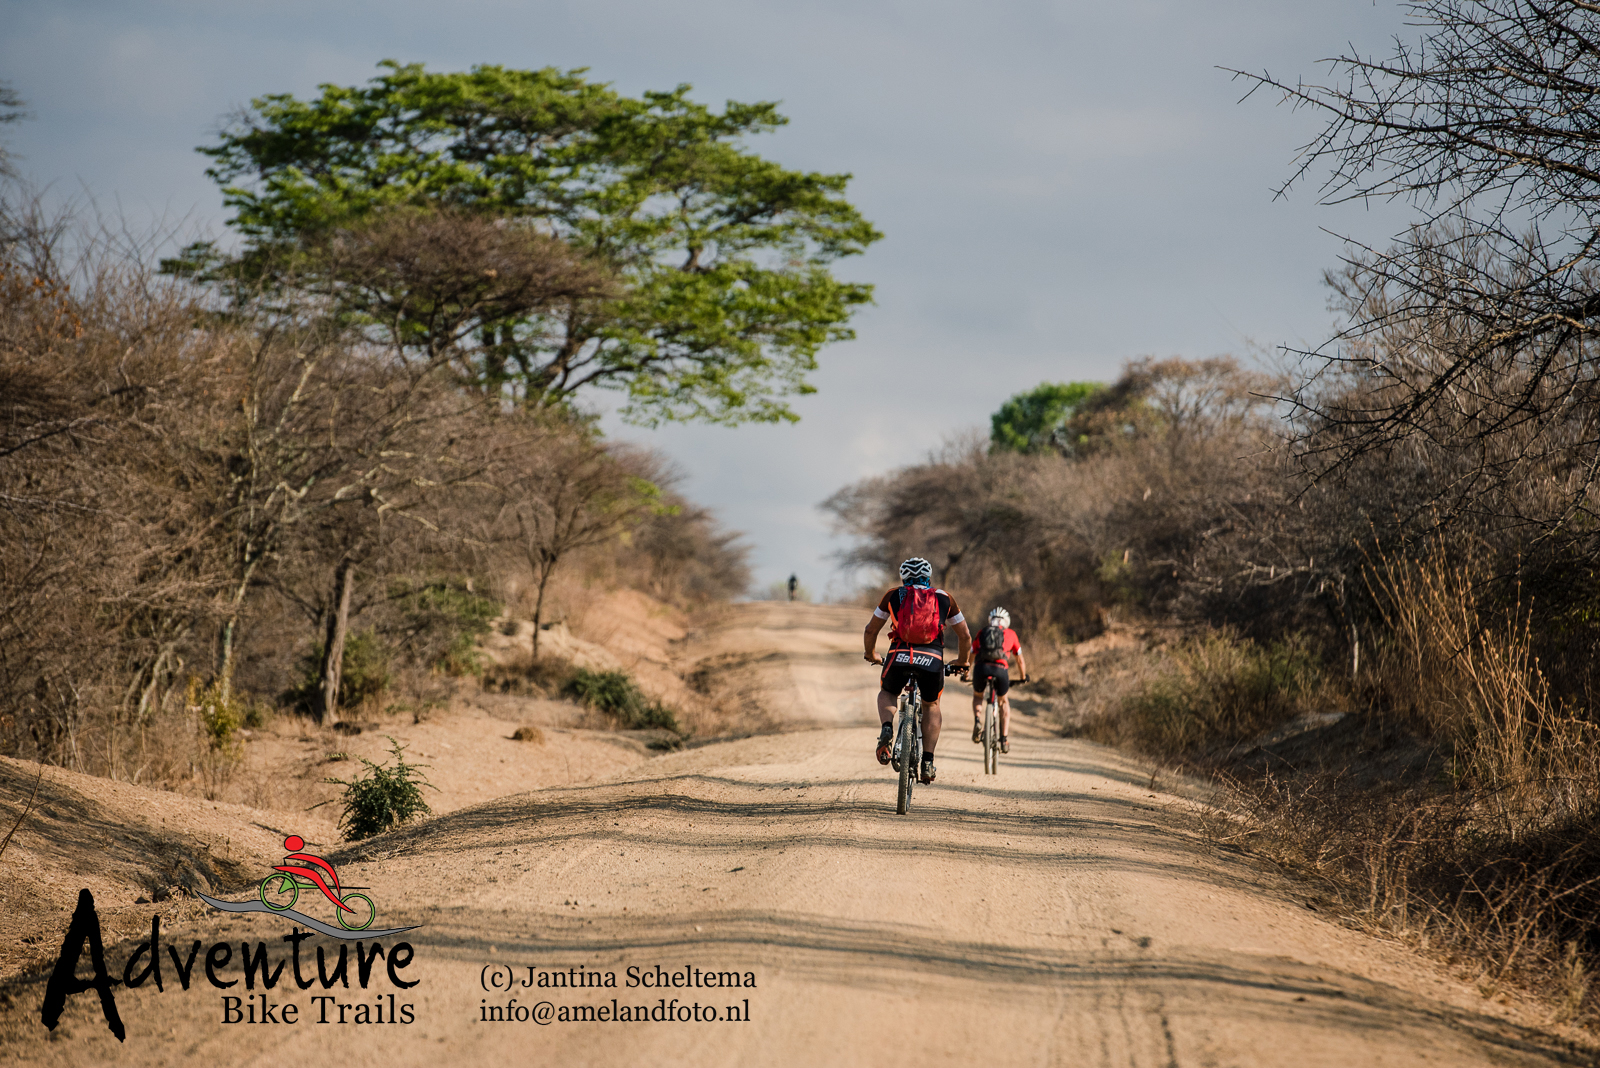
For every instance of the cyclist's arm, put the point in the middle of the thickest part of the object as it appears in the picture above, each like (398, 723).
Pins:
(870, 637)
(963, 644)
(1021, 663)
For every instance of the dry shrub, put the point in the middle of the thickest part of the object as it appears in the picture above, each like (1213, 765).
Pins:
(1486, 849)
(1212, 689)
(1507, 907)
(528, 734)
(1464, 672)
(543, 677)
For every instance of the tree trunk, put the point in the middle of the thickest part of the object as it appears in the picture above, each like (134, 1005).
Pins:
(333, 644)
(229, 626)
(538, 604)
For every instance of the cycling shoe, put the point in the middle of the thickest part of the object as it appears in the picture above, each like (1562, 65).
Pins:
(977, 732)
(884, 741)
(929, 772)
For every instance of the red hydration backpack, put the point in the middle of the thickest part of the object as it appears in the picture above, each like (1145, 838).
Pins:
(917, 622)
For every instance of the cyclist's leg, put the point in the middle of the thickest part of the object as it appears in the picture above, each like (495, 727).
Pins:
(888, 697)
(886, 705)
(980, 678)
(932, 683)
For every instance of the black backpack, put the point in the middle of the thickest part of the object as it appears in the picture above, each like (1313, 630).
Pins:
(991, 644)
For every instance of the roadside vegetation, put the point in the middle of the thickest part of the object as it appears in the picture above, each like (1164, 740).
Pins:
(307, 475)
(1360, 593)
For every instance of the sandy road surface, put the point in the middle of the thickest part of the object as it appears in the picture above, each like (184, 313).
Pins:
(1057, 914)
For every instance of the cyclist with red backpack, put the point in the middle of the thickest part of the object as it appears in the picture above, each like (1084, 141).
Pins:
(916, 646)
(996, 642)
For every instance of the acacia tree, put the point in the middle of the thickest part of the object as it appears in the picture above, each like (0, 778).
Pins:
(723, 256)
(1474, 334)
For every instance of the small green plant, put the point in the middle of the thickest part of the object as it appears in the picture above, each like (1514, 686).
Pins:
(461, 657)
(257, 715)
(614, 693)
(220, 714)
(381, 797)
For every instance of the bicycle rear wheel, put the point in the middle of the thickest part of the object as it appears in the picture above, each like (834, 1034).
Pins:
(991, 739)
(907, 763)
(279, 892)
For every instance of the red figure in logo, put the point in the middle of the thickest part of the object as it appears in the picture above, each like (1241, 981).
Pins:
(294, 844)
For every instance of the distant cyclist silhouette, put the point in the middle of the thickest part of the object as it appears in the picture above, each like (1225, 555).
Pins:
(794, 584)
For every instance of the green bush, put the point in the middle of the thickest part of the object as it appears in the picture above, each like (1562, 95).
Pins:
(364, 673)
(614, 693)
(446, 617)
(461, 657)
(1219, 688)
(381, 797)
(221, 715)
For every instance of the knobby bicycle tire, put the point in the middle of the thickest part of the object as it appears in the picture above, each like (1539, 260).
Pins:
(907, 760)
(991, 735)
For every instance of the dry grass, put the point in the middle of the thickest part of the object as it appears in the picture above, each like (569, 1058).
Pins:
(1485, 851)
(1208, 690)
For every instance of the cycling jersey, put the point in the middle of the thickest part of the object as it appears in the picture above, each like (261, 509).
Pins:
(1010, 645)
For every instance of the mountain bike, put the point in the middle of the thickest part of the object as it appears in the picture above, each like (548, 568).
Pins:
(990, 738)
(907, 752)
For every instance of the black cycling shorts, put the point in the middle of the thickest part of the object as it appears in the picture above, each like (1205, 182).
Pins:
(983, 672)
(930, 680)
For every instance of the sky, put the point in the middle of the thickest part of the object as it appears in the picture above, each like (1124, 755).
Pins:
(1063, 186)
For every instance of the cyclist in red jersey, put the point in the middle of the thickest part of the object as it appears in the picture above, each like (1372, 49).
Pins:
(923, 658)
(993, 664)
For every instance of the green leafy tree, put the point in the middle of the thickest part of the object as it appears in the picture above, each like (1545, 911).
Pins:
(1036, 420)
(722, 256)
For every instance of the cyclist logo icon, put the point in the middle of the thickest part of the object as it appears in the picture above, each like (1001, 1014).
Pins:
(279, 892)
(300, 870)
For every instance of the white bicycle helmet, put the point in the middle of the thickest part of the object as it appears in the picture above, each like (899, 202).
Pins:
(916, 571)
(1000, 616)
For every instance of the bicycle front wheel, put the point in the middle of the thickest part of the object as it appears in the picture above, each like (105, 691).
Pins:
(361, 919)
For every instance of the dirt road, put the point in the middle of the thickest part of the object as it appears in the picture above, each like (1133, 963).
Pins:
(1058, 914)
